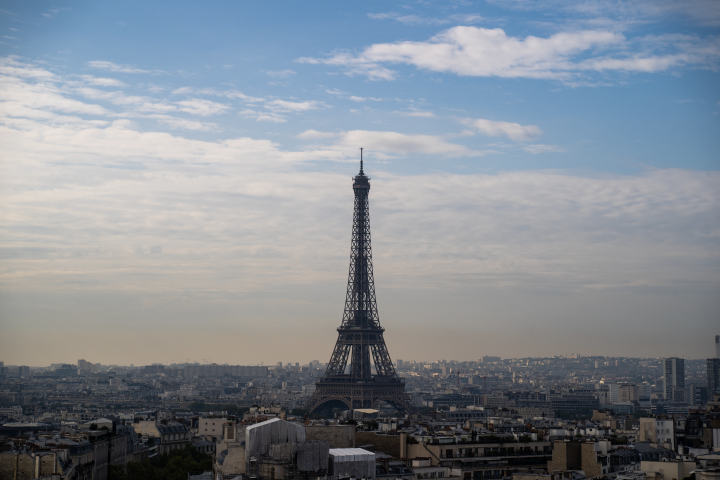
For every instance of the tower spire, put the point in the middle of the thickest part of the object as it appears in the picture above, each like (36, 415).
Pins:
(361, 162)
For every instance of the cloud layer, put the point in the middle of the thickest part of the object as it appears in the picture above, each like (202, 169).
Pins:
(109, 224)
(483, 52)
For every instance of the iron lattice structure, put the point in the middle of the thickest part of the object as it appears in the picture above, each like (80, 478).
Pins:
(349, 377)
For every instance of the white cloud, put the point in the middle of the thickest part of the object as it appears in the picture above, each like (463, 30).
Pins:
(315, 135)
(198, 106)
(538, 148)
(280, 73)
(233, 94)
(287, 106)
(135, 102)
(102, 82)
(473, 51)
(263, 116)
(364, 99)
(702, 12)
(184, 123)
(114, 67)
(392, 143)
(412, 19)
(513, 131)
(417, 114)
(86, 202)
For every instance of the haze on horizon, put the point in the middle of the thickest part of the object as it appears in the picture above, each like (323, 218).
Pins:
(175, 178)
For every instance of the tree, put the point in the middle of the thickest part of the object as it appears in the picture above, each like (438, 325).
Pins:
(175, 465)
(93, 426)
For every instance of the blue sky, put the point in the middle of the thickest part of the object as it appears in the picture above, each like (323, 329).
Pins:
(158, 153)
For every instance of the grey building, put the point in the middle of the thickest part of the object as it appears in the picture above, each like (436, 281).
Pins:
(674, 372)
(713, 376)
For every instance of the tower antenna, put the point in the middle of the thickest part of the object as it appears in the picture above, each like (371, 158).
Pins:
(361, 162)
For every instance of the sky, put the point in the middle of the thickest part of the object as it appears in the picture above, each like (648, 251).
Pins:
(175, 178)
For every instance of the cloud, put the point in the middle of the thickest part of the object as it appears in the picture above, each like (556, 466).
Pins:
(233, 94)
(243, 225)
(702, 12)
(287, 106)
(422, 21)
(262, 116)
(54, 11)
(114, 67)
(513, 131)
(393, 143)
(102, 82)
(417, 114)
(315, 135)
(537, 148)
(197, 106)
(364, 99)
(482, 52)
(134, 102)
(184, 123)
(280, 73)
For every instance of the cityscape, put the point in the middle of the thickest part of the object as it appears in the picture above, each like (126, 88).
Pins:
(529, 192)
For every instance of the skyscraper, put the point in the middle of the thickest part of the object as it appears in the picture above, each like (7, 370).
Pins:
(674, 380)
(713, 376)
(717, 346)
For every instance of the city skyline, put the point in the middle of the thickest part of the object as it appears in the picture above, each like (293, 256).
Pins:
(169, 192)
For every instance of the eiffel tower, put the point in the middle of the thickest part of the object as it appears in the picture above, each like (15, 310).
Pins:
(349, 381)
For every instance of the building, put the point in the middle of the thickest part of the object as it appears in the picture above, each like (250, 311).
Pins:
(590, 457)
(478, 461)
(211, 427)
(625, 392)
(674, 375)
(170, 435)
(86, 367)
(12, 413)
(697, 394)
(713, 376)
(660, 430)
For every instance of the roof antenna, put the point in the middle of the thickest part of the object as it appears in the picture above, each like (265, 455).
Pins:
(361, 162)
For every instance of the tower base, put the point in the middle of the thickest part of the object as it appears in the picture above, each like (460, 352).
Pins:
(360, 395)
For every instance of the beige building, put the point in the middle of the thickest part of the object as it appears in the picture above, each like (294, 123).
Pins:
(659, 430)
(590, 457)
(670, 470)
(211, 427)
(32, 465)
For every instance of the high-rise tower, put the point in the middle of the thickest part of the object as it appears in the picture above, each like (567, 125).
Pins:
(674, 380)
(360, 373)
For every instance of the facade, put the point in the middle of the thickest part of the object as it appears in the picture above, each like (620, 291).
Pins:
(169, 435)
(211, 427)
(360, 373)
(590, 457)
(215, 370)
(674, 374)
(12, 413)
(478, 461)
(659, 430)
(713, 376)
